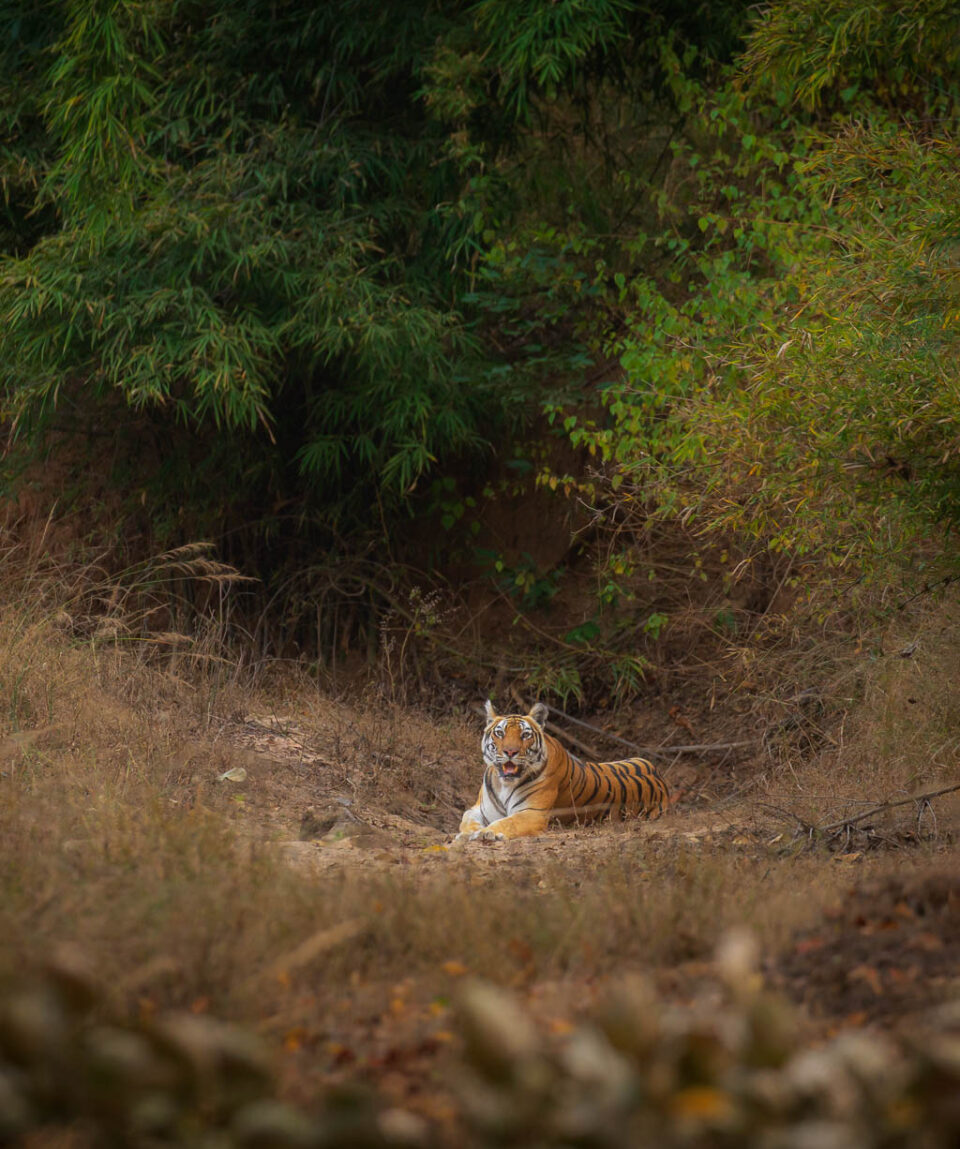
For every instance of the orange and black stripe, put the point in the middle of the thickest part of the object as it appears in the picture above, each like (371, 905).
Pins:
(530, 778)
(628, 785)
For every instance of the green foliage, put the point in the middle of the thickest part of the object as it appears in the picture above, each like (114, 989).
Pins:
(307, 242)
(718, 268)
(845, 421)
(628, 672)
(522, 580)
(789, 360)
(239, 244)
(900, 52)
(538, 46)
(324, 258)
(857, 406)
(559, 679)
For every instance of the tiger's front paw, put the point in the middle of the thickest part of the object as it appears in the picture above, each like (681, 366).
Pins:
(487, 836)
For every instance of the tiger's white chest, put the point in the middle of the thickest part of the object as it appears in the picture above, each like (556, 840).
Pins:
(503, 796)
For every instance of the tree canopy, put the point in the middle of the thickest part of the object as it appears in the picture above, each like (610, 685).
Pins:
(324, 264)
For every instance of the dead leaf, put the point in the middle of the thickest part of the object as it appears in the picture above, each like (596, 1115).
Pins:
(927, 942)
(703, 1103)
(904, 976)
(454, 968)
(869, 974)
(682, 720)
(520, 950)
(340, 1054)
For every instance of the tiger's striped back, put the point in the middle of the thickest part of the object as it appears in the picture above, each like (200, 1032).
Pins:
(530, 778)
(593, 789)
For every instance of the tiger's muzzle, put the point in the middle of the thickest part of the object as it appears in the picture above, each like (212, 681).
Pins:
(512, 767)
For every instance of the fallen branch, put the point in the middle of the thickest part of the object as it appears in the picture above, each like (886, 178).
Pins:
(704, 748)
(650, 751)
(849, 823)
(807, 827)
(928, 588)
(845, 822)
(599, 730)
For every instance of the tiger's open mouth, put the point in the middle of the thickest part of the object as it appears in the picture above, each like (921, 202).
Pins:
(510, 769)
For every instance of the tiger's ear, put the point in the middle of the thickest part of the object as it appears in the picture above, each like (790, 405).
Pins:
(490, 712)
(539, 712)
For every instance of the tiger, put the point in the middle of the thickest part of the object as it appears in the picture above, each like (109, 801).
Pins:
(530, 778)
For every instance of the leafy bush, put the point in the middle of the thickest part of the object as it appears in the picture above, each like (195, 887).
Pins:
(787, 342)
(234, 247)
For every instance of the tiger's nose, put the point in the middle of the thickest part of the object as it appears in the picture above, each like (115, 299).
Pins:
(510, 753)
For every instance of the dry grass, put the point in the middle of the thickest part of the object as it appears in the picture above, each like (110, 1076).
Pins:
(892, 730)
(116, 837)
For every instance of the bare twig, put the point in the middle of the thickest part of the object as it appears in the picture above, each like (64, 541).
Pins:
(596, 729)
(847, 824)
(887, 806)
(801, 822)
(650, 751)
(928, 588)
(703, 748)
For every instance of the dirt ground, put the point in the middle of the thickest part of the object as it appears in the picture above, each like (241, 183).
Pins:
(876, 943)
(281, 859)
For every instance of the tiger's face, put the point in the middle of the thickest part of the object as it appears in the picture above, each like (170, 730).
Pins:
(513, 743)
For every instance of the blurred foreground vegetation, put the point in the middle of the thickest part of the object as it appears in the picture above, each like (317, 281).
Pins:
(727, 1071)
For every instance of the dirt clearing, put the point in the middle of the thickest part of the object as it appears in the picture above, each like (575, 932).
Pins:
(268, 855)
